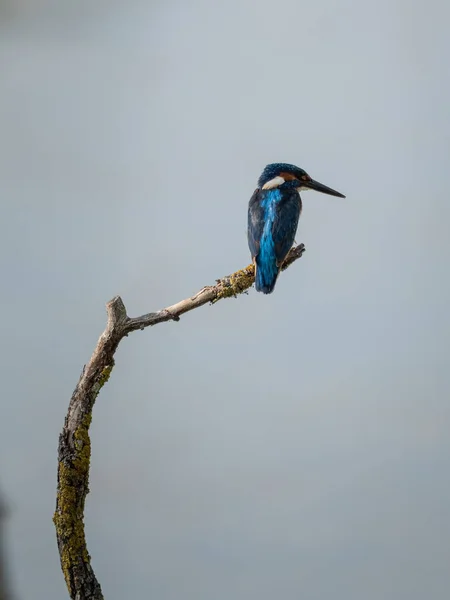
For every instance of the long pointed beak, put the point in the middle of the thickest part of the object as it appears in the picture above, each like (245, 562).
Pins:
(319, 187)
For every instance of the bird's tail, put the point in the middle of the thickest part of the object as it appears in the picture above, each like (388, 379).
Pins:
(266, 275)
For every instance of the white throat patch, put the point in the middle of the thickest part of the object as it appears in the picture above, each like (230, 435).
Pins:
(273, 183)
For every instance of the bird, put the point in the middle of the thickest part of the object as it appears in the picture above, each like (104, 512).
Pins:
(273, 213)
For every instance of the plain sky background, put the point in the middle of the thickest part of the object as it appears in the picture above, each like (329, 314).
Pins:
(285, 446)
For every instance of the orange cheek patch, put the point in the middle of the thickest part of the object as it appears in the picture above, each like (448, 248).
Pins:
(287, 176)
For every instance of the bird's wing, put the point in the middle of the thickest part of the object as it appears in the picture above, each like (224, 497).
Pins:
(285, 225)
(255, 223)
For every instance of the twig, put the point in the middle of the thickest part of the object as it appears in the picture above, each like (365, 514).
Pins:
(74, 450)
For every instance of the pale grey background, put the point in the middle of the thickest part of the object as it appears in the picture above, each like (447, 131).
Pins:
(290, 446)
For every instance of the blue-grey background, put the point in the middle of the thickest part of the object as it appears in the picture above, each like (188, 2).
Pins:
(294, 445)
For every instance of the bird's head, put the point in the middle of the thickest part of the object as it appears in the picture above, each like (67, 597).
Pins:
(276, 175)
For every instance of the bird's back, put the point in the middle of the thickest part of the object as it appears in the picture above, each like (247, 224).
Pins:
(272, 223)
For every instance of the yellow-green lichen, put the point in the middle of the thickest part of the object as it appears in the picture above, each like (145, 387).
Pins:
(236, 283)
(103, 378)
(82, 443)
(73, 482)
(68, 521)
(104, 375)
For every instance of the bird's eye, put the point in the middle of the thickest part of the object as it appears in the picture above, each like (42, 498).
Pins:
(306, 177)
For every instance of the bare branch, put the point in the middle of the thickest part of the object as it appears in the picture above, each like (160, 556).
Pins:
(74, 450)
(5, 592)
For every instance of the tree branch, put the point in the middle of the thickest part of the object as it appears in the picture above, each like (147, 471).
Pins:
(5, 592)
(74, 450)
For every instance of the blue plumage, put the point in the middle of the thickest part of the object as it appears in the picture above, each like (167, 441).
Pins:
(273, 213)
(272, 223)
(267, 271)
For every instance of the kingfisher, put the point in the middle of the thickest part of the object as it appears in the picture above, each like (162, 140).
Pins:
(273, 213)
